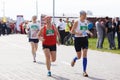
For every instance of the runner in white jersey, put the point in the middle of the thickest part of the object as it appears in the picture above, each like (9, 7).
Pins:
(33, 29)
(80, 29)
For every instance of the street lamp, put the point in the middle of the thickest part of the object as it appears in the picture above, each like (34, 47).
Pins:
(37, 8)
(4, 8)
(53, 11)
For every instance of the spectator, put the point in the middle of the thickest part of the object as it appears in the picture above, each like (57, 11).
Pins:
(8, 28)
(100, 34)
(4, 28)
(61, 29)
(109, 31)
(103, 27)
(118, 31)
(12, 26)
(72, 23)
(114, 27)
(21, 28)
(0, 28)
(25, 26)
(67, 27)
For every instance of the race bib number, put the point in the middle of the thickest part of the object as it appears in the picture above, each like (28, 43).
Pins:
(84, 33)
(50, 32)
(84, 28)
(34, 27)
(34, 31)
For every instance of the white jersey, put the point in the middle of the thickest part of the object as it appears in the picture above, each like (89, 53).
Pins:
(82, 27)
(61, 25)
(33, 30)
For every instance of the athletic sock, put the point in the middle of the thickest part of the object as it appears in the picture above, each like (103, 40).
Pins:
(84, 64)
(34, 56)
(76, 58)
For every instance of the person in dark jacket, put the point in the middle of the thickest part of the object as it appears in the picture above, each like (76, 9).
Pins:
(109, 31)
(0, 28)
(4, 28)
(118, 31)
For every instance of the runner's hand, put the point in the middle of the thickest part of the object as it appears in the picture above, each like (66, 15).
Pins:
(78, 33)
(91, 34)
(58, 43)
(42, 39)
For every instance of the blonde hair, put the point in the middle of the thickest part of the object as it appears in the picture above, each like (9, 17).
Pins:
(34, 16)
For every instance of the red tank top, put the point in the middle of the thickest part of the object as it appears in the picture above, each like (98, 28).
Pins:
(49, 36)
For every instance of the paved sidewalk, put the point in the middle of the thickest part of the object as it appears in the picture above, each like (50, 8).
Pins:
(16, 62)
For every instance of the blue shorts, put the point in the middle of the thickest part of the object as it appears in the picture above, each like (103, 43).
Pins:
(34, 40)
(81, 43)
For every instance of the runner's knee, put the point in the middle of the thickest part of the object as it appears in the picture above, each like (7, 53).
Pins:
(53, 60)
(79, 57)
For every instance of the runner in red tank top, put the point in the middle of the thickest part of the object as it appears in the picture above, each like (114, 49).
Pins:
(48, 35)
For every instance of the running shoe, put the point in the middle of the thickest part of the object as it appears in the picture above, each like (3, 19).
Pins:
(34, 61)
(85, 74)
(34, 57)
(113, 48)
(49, 73)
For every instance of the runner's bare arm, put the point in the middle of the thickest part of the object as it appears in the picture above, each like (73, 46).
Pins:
(40, 34)
(89, 32)
(58, 35)
(27, 29)
(73, 29)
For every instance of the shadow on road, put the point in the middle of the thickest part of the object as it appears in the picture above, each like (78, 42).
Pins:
(58, 77)
(90, 77)
(93, 78)
(42, 63)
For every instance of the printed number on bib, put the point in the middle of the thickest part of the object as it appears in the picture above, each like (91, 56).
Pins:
(83, 28)
(34, 33)
(50, 32)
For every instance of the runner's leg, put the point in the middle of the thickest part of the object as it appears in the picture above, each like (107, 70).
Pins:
(33, 51)
(85, 62)
(36, 47)
(78, 51)
(76, 58)
(48, 62)
(53, 56)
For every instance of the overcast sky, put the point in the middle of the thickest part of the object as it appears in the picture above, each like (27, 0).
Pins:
(28, 8)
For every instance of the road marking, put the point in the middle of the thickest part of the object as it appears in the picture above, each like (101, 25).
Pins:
(66, 63)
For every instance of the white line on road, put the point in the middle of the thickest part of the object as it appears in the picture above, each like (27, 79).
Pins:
(66, 63)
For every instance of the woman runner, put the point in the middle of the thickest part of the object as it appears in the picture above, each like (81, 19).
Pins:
(49, 36)
(33, 29)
